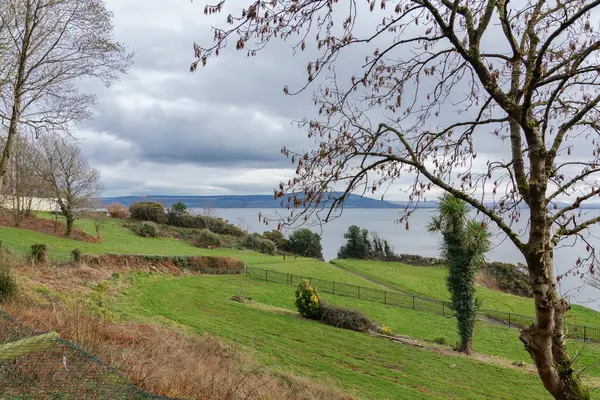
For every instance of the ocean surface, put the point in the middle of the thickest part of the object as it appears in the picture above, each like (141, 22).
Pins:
(417, 240)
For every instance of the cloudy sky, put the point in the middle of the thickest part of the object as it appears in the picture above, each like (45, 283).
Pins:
(164, 130)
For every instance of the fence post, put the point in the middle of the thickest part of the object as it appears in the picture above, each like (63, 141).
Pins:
(584, 333)
(333, 285)
(310, 280)
(385, 297)
(443, 308)
(358, 288)
(509, 320)
(266, 277)
(413, 302)
(291, 279)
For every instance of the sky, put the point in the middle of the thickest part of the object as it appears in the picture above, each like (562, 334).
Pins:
(164, 130)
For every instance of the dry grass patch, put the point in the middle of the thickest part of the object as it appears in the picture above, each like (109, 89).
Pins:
(48, 227)
(172, 363)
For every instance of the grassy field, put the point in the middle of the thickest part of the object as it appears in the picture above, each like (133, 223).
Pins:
(365, 366)
(117, 239)
(431, 282)
(270, 328)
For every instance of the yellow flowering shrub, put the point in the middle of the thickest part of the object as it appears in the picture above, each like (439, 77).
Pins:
(308, 301)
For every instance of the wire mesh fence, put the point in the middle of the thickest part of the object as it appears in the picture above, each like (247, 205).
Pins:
(43, 366)
(397, 299)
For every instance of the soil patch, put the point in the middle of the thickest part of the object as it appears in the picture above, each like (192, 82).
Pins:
(48, 227)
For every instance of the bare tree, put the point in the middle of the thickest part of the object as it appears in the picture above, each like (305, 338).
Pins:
(76, 185)
(49, 45)
(23, 185)
(438, 83)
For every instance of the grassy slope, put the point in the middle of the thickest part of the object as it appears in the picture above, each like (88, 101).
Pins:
(431, 282)
(146, 300)
(117, 239)
(363, 365)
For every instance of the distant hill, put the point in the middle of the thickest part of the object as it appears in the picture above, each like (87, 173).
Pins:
(267, 201)
(239, 201)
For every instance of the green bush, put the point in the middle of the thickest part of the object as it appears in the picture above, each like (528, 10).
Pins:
(214, 224)
(511, 278)
(147, 229)
(76, 255)
(147, 211)
(8, 284)
(305, 243)
(38, 253)
(441, 340)
(206, 239)
(308, 301)
(276, 237)
(346, 318)
(176, 213)
(258, 243)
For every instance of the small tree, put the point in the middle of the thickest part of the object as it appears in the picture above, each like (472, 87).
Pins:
(464, 243)
(99, 219)
(305, 243)
(176, 213)
(75, 184)
(179, 208)
(357, 244)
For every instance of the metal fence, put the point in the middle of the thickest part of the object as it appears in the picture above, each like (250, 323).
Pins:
(397, 299)
(43, 366)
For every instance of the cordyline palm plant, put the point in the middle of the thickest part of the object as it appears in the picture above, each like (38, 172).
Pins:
(464, 244)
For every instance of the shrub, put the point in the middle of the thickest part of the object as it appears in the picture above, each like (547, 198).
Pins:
(176, 214)
(76, 255)
(256, 242)
(214, 224)
(206, 239)
(347, 318)
(38, 253)
(305, 243)
(386, 330)
(8, 284)
(308, 301)
(276, 237)
(441, 340)
(147, 229)
(510, 278)
(147, 211)
(118, 210)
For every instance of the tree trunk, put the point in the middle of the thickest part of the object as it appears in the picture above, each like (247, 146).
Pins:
(544, 340)
(466, 347)
(69, 219)
(18, 93)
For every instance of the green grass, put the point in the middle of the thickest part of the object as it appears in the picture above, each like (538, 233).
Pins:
(431, 282)
(365, 366)
(118, 239)
(362, 365)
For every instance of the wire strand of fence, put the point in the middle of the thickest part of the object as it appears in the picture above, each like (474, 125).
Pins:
(398, 299)
(42, 365)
